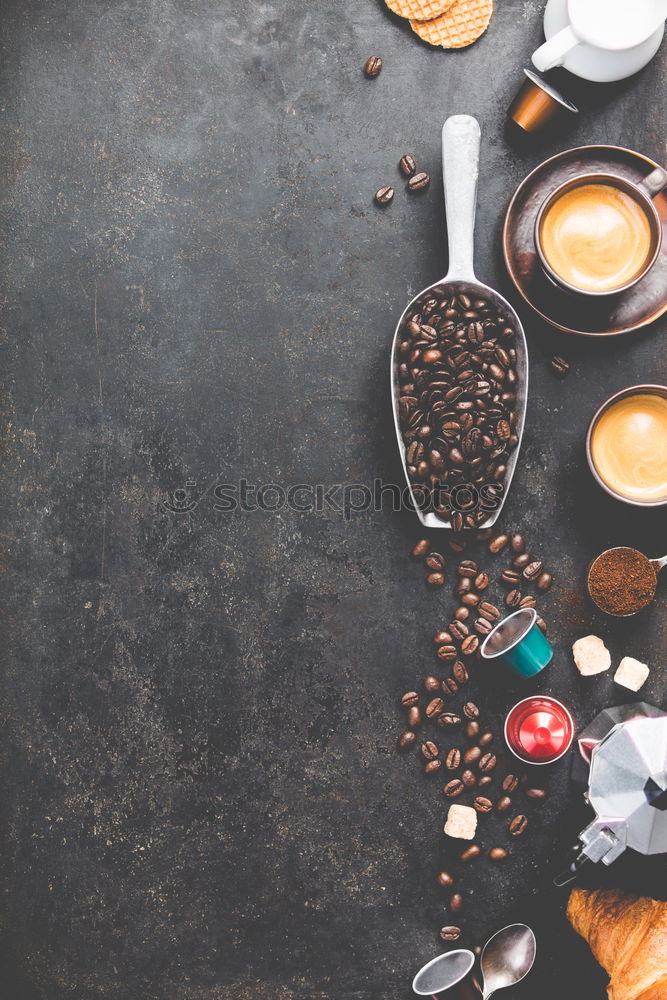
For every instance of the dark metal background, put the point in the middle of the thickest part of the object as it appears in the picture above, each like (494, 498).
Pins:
(202, 800)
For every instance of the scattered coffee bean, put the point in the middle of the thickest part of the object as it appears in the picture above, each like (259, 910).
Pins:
(559, 365)
(406, 739)
(533, 570)
(453, 758)
(488, 611)
(472, 730)
(384, 195)
(469, 645)
(456, 903)
(470, 710)
(510, 783)
(413, 717)
(472, 755)
(482, 581)
(442, 638)
(448, 719)
(521, 561)
(449, 687)
(485, 739)
(432, 766)
(513, 599)
(467, 568)
(434, 708)
(483, 626)
(448, 653)
(457, 544)
(435, 579)
(497, 854)
(454, 788)
(373, 66)
(518, 543)
(421, 549)
(485, 780)
(503, 803)
(518, 825)
(450, 933)
(460, 673)
(409, 698)
(528, 602)
(538, 794)
(459, 630)
(511, 577)
(541, 624)
(487, 762)
(435, 561)
(482, 804)
(429, 750)
(463, 587)
(498, 543)
(470, 600)
(418, 182)
(407, 164)
(471, 852)
(445, 880)
(544, 581)
(462, 613)
(468, 778)
(431, 684)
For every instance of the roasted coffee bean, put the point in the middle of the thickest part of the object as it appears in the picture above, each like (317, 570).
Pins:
(450, 933)
(434, 708)
(468, 778)
(482, 581)
(486, 779)
(467, 568)
(485, 739)
(421, 548)
(511, 577)
(521, 561)
(483, 626)
(457, 544)
(447, 653)
(487, 762)
(442, 638)
(406, 739)
(454, 788)
(384, 195)
(470, 710)
(456, 903)
(518, 825)
(463, 587)
(459, 630)
(429, 750)
(432, 767)
(559, 365)
(449, 687)
(533, 570)
(435, 579)
(431, 684)
(544, 581)
(528, 602)
(510, 783)
(419, 181)
(518, 543)
(413, 717)
(470, 600)
(472, 755)
(541, 624)
(538, 794)
(460, 673)
(469, 645)
(488, 611)
(453, 759)
(445, 880)
(448, 719)
(503, 803)
(482, 804)
(472, 730)
(498, 543)
(471, 852)
(407, 165)
(462, 613)
(373, 66)
(497, 854)
(513, 599)
(409, 698)
(435, 561)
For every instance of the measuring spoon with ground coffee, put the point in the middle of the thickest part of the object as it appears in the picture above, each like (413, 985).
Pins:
(459, 369)
(622, 581)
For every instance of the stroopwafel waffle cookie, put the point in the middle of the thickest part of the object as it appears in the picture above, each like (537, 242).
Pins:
(462, 25)
(419, 10)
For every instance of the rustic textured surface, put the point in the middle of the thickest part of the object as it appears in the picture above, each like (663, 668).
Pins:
(202, 796)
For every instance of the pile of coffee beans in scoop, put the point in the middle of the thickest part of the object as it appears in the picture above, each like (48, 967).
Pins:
(457, 371)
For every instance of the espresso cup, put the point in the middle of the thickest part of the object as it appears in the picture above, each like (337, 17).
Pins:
(626, 445)
(599, 234)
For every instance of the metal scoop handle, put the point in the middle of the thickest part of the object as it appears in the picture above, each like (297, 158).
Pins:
(460, 170)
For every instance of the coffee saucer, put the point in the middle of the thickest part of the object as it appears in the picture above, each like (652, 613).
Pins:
(590, 317)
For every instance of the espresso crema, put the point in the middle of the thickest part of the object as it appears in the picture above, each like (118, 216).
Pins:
(629, 447)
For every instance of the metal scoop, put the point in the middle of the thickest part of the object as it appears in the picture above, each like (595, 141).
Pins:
(652, 565)
(460, 162)
(507, 958)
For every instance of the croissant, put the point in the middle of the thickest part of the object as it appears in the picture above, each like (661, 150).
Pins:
(628, 936)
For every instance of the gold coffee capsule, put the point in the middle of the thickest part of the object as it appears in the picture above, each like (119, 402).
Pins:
(537, 103)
